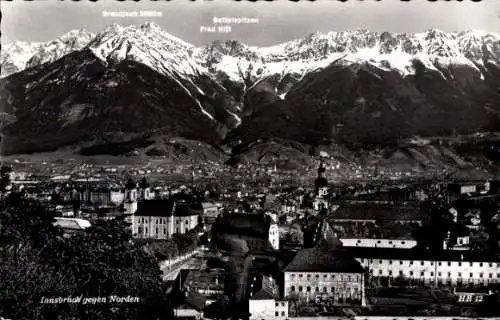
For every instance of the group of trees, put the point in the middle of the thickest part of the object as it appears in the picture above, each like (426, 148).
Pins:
(37, 262)
(178, 245)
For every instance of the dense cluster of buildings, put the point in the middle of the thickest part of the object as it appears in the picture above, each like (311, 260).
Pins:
(328, 246)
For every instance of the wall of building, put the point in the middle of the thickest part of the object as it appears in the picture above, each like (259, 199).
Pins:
(153, 227)
(117, 197)
(379, 243)
(261, 309)
(342, 287)
(274, 236)
(445, 272)
(281, 309)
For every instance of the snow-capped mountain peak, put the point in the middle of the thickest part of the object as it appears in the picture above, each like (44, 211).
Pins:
(148, 44)
(20, 55)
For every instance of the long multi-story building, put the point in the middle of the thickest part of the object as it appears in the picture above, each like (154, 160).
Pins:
(449, 268)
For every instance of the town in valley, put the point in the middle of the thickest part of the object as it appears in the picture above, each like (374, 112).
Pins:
(266, 246)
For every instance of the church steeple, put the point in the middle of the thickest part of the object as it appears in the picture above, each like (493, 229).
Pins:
(321, 184)
(321, 181)
(130, 197)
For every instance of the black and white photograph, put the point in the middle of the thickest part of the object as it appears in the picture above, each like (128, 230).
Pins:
(239, 160)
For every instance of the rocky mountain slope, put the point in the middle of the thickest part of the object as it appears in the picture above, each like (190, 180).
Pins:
(353, 88)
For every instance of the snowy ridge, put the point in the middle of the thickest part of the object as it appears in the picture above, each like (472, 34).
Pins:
(15, 55)
(434, 48)
(151, 45)
(18, 56)
(147, 44)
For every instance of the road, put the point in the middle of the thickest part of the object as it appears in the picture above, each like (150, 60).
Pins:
(170, 274)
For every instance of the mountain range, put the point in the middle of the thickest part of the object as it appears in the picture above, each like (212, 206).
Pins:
(138, 88)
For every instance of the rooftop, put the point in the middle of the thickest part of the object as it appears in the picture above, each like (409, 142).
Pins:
(245, 224)
(318, 260)
(377, 211)
(263, 294)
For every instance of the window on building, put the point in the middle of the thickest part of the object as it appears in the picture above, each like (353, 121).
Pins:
(439, 274)
(439, 263)
(400, 261)
(333, 289)
(480, 264)
(308, 289)
(471, 264)
(380, 261)
(411, 262)
(421, 263)
(317, 289)
(390, 242)
(156, 230)
(300, 288)
(292, 288)
(276, 313)
(300, 275)
(403, 242)
(490, 275)
(390, 272)
(324, 289)
(481, 275)
(400, 273)
(378, 241)
(411, 273)
(449, 274)
(324, 276)
(460, 264)
(470, 275)
(490, 264)
(432, 274)
(432, 263)
(276, 304)
(422, 273)
(282, 304)
(498, 275)
(390, 261)
(380, 272)
(449, 264)
(333, 276)
(460, 274)
(317, 276)
(308, 276)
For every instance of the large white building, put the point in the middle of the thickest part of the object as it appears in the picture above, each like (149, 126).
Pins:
(450, 268)
(160, 219)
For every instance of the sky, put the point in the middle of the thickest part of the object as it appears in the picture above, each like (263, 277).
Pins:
(279, 21)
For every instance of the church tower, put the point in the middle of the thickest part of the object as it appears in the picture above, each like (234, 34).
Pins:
(130, 197)
(321, 184)
(144, 190)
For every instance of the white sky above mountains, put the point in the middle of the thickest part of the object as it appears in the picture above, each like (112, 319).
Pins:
(279, 20)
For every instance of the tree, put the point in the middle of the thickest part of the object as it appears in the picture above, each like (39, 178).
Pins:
(4, 177)
(102, 261)
(294, 300)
